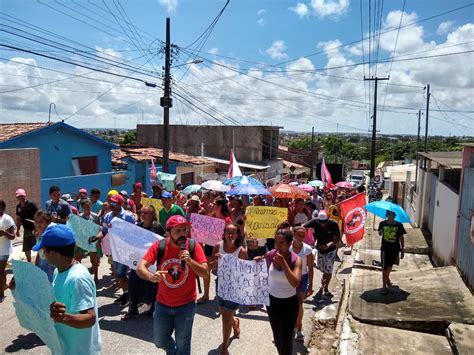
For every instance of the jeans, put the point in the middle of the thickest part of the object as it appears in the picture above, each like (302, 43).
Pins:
(180, 319)
(282, 313)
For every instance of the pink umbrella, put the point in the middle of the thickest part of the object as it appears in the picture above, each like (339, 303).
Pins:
(306, 187)
(345, 184)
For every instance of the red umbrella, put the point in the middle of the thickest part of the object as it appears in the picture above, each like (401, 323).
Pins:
(287, 191)
(345, 184)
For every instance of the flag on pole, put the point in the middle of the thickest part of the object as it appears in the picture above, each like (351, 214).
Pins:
(234, 169)
(153, 173)
(354, 216)
(325, 175)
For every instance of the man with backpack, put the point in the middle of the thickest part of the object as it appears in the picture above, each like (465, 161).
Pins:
(178, 261)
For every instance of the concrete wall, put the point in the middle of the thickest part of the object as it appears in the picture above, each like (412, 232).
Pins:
(444, 224)
(199, 172)
(218, 140)
(19, 168)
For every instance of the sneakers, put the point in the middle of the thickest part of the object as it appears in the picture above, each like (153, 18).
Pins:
(299, 336)
(328, 294)
(122, 300)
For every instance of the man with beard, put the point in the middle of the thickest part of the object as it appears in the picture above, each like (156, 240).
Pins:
(176, 296)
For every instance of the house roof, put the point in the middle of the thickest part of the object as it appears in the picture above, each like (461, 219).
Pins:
(451, 160)
(242, 165)
(290, 163)
(11, 132)
(139, 153)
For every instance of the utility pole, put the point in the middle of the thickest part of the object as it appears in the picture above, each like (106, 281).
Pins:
(426, 114)
(311, 170)
(417, 147)
(166, 101)
(374, 127)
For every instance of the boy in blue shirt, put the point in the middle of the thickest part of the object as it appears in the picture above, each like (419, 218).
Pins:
(75, 309)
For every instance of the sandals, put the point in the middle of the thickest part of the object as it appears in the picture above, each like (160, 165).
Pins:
(236, 327)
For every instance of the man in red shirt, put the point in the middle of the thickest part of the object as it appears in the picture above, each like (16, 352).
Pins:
(176, 275)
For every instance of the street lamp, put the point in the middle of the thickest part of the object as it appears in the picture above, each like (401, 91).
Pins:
(195, 61)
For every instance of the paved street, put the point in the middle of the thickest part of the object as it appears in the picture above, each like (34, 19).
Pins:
(135, 336)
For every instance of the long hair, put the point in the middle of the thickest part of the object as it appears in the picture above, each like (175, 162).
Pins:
(240, 240)
(223, 207)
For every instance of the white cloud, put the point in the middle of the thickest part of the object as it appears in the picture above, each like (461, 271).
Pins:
(277, 50)
(171, 5)
(213, 51)
(261, 22)
(261, 12)
(445, 27)
(329, 7)
(301, 9)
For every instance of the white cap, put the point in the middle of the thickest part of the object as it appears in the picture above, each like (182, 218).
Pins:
(323, 216)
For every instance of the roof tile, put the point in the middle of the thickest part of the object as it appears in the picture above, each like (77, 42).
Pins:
(12, 130)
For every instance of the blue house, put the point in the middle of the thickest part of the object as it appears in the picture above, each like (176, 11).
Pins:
(70, 158)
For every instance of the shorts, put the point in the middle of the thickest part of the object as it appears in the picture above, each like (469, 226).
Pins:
(29, 240)
(326, 261)
(304, 283)
(389, 258)
(120, 270)
(208, 249)
(4, 257)
(227, 305)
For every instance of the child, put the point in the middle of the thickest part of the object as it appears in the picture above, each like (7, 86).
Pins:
(75, 310)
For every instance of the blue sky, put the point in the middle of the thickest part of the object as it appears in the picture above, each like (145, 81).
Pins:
(250, 35)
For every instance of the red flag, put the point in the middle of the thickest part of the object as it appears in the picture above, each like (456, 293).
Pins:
(153, 173)
(326, 175)
(354, 216)
(234, 169)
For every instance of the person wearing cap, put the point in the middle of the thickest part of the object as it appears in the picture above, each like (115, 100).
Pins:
(176, 276)
(157, 190)
(25, 215)
(70, 200)
(326, 234)
(117, 211)
(137, 194)
(169, 208)
(194, 206)
(59, 209)
(74, 310)
(392, 247)
(128, 204)
(7, 234)
(81, 195)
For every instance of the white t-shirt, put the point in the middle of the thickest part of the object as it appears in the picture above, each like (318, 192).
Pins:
(304, 252)
(6, 222)
(279, 286)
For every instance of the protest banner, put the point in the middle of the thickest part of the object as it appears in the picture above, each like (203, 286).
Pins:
(355, 216)
(156, 203)
(207, 230)
(129, 243)
(83, 229)
(262, 222)
(242, 281)
(32, 296)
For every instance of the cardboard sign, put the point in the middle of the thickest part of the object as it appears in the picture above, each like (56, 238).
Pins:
(262, 222)
(242, 281)
(83, 229)
(207, 230)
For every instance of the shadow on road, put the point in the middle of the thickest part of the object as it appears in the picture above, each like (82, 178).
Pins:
(24, 342)
(394, 295)
(208, 309)
(139, 328)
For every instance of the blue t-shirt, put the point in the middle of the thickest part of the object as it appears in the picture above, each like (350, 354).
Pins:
(59, 210)
(76, 289)
(97, 206)
(124, 215)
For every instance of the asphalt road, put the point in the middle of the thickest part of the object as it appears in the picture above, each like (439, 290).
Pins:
(135, 336)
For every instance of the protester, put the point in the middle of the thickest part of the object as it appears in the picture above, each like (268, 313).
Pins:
(81, 195)
(43, 219)
(178, 263)
(299, 215)
(137, 195)
(284, 276)
(116, 203)
(326, 234)
(393, 247)
(74, 310)
(87, 214)
(59, 209)
(95, 200)
(231, 244)
(7, 234)
(237, 210)
(70, 200)
(25, 215)
(169, 209)
(305, 288)
(139, 290)
(193, 206)
(157, 191)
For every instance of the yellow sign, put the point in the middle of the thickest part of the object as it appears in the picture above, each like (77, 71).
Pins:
(152, 202)
(262, 222)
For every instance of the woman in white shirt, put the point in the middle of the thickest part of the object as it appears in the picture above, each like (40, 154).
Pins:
(305, 288)
(7, 234)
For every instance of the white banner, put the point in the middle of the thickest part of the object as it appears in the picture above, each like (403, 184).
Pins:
(242, 281)
(130, 243)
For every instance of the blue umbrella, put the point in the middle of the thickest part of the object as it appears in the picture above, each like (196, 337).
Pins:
(190, 189)
(238, 180)
(381, 207)
(248, 189)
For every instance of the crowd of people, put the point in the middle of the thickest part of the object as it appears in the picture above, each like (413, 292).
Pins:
(164, 284)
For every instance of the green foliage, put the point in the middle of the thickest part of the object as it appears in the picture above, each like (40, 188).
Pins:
(130, 138)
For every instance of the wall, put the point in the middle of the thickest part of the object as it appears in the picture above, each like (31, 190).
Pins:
(218, 140)
(19, 168)
(199, 172)
(444, 223)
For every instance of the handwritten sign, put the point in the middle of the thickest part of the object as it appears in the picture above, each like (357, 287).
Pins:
(207, 230)
(33, 294)
(262, 222)
(83, 229)
(130, 243)
(156, 203)
(242, 281)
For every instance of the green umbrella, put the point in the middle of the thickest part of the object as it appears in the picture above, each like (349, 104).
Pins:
(190, 189)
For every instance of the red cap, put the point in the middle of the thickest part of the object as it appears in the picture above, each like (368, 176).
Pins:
(20, 192)
(116, 198)
(137, 184)
(176, 220)
(83, 191)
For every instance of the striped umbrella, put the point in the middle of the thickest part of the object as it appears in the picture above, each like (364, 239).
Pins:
(287, 191)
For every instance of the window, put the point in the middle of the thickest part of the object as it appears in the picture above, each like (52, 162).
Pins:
(85, 165)
(187, 179)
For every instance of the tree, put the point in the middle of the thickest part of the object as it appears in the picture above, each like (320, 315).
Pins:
(130, 138)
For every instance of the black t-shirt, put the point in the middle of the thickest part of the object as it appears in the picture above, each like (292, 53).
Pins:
(391, 234)
(156, 227)
(27, 212)
(324, 234)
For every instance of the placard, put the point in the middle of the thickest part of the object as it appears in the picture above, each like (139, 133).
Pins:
(207, 230)
(262, 222)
